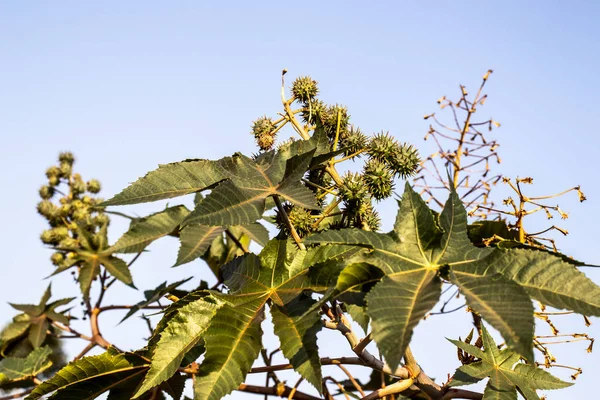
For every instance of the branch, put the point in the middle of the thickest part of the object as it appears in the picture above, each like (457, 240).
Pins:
(17, 395)
(281, 391)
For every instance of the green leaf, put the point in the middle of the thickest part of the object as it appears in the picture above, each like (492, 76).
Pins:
(37, 332)
(241, 199)
(233, 342)
(36, 319)
(547, 278)
(171, 180)
(145, 230)
(18, 369)
(280, 275)
(506, 373)
(297, 331)
(182, 332)
(195, 240)
(91, 256)
(89, 377)
(397, 305)
(256, 232)
(504, 304)
(411, 256)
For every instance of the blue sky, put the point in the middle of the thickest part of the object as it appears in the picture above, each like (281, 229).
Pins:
(129, 85)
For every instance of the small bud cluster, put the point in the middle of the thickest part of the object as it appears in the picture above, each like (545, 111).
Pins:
(73, 211)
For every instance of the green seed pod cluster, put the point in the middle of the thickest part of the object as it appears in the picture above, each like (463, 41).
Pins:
(382, 147)
(354, 142)
(313, 112)
(406, 161)
(369, 216)
(301, 218)
(330, 121)
(305, 89)
(73, 211)
(378, 179)
(353, 189)
(402, 159)
(263, 131)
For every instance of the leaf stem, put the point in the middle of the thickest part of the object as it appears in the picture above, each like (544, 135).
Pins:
(293, 232)
(236, 241)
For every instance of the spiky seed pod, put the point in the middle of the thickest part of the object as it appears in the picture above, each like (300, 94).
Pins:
(66, 157)
(87, 200)
(330, 121)
(300, 217)
(46, 192)
(302, 220)
(405, 161)
(382, 147)
(321, 178)
(265, 142)
(354, 142)
(57, 258)
(353, 188)
(263, 131)
(305, 89)
(46, 209)
(379, 179)
(93, 186)
(313, 111)
(369, 216)
(65, 170)
(263, 125)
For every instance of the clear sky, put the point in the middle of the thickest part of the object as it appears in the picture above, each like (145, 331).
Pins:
(129, 85)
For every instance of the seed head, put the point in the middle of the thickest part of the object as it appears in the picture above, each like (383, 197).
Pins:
(304, 89)
(378, 178)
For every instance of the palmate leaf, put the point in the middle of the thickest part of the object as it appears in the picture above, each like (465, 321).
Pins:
(506, 373)
(144, 231)
(240, 184)
(92, 255)
(546, 277)
(241, 199)
(412, 257)
(36, 319)
(89, 377)
(16, 369)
